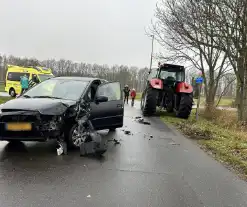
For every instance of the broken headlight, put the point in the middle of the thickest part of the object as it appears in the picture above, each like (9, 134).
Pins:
(54, 124)
(58, 119)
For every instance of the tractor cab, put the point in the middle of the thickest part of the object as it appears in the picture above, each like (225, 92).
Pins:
(171, 74)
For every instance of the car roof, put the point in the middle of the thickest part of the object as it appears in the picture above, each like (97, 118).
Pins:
(85, 79)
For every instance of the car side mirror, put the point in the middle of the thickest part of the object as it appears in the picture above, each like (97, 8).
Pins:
(100, 99)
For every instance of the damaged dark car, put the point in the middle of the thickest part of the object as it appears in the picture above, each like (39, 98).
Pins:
(49, 110)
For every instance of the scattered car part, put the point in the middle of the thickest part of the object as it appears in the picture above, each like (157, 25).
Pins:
(127, 132)
(89, 141)
(62, 147)
(141, 120)
(115, 141)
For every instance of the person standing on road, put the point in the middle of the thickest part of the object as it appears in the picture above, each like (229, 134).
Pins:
(133, 96)
(126, 91)
(24, 83)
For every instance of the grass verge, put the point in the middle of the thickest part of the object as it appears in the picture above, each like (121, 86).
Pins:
(1, 87)
(138, 96)
(219, 135)
(4, 99)
(224, 102)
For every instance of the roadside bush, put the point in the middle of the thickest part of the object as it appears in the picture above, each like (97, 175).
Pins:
(223, 117)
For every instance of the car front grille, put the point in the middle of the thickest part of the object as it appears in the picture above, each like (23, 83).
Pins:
(10, 117)
(18, 118)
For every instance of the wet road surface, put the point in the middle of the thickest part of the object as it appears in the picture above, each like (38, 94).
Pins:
(166, 170)
(5, 94)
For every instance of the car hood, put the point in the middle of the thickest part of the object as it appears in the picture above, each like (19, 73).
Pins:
(46, 106)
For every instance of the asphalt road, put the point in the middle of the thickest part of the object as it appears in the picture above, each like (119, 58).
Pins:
(5, 94)
(167, 170)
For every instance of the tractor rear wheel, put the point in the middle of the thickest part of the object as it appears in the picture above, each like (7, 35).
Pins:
(185, 106)
(149, 101)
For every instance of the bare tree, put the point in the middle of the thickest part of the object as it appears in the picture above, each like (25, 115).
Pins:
(229, 23)
(132, 76)
(176, 29)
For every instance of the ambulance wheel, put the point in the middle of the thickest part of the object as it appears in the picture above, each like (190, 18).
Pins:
(12, 92)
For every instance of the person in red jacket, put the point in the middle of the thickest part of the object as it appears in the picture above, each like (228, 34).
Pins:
(133, 96)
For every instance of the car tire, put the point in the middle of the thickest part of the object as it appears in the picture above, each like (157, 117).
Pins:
(14, 141)
(12, 92)
(112, 129)
(69, 137)
(101, 152)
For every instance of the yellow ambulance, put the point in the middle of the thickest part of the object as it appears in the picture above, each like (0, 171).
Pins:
(14, 74)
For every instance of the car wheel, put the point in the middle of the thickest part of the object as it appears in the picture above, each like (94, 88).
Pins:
(14, 141)
(12, 92)
(74, 139)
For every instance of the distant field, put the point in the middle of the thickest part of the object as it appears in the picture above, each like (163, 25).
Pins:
(225, 101)
(1, 87)
(4, 99)
(138, 96)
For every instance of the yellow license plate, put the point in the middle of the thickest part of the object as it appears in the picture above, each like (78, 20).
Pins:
(19, 127)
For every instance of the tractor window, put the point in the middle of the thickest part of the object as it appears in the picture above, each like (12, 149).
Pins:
(179, 76)
(153, 73)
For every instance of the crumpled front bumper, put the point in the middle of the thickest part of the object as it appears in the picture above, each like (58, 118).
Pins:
(43, 127)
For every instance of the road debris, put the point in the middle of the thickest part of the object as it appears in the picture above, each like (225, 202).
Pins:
(89, 196)
(90, 141)
(149, 136)
(173, 143)
(95, 145)
(115, 141)
(127, 132)
(141, 120)
(62, 148)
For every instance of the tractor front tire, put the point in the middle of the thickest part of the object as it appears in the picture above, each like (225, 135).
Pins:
(149, 101)
(185, 106)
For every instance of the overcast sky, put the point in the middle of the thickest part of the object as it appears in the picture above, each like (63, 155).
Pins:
(92, 31)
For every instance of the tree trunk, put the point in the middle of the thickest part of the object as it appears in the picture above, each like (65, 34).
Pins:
(210, 95)
(243, 94)
(240, 88)
(209, 105)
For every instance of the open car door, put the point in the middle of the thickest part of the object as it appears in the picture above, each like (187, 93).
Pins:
(109, 114)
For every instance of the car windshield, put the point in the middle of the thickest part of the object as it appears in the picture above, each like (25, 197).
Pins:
(57, 88)
(45, 77)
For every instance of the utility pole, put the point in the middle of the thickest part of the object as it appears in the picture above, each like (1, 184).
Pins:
(151, 59)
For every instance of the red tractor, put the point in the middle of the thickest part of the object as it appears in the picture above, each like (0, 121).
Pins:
(166, 88)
